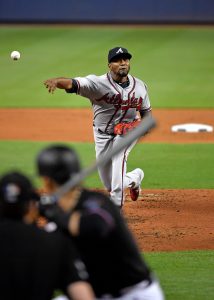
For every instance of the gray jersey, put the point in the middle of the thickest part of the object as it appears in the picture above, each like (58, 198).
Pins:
(112, 103)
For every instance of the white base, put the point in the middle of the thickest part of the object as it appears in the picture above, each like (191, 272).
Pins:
(192, 127)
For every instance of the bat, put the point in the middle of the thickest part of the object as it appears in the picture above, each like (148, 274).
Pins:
(144, 126)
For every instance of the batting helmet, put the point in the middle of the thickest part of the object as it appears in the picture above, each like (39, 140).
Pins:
(58, 162)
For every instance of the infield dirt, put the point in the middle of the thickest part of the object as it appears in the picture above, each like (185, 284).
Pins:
(161, 220)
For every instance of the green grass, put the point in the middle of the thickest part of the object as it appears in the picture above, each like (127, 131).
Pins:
(175, 165)
(185, 275)
(176, 63)
(21, 155)
(165, 165)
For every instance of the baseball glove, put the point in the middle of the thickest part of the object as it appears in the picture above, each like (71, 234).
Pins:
(122, 128)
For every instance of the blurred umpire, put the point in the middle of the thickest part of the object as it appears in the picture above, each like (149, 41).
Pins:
(114, 263)
(33, 262)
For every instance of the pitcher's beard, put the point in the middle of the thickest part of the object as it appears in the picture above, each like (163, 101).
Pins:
(123, 72)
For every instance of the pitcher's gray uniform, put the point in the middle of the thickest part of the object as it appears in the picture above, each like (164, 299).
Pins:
(112, 104)
(115, 97)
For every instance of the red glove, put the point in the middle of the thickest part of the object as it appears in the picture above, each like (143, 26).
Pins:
(123, 128)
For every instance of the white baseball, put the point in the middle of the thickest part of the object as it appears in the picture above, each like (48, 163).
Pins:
(15, 55)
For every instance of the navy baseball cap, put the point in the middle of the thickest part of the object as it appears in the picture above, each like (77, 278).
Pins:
(16, 188)
(118, 52)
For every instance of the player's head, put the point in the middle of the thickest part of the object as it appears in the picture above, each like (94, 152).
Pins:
(16, 192)
(118, 52)
(58, 162)
(118, 61)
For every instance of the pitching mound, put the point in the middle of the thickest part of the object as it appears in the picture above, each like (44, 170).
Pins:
(169, 220)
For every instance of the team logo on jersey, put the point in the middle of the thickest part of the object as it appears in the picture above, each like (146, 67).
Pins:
(119, 51)
(116, 100)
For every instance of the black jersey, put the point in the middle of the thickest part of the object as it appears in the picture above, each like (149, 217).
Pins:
(33, 263)
(107, 247)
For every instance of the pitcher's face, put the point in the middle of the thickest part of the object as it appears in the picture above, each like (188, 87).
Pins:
(120, 66)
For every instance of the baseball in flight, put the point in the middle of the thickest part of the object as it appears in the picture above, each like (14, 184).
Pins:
(15, 55)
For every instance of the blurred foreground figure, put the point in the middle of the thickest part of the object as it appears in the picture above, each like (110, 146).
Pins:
(114, 263)
(33, 262)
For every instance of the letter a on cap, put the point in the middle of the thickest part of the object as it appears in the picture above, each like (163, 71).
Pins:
(119, 51)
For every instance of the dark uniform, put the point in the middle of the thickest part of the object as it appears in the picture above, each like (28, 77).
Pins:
(33, 263)
(107, 248)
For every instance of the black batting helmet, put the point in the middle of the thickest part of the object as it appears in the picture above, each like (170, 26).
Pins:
(58, 162)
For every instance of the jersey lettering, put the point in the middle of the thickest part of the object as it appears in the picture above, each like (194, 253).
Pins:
(117, 101)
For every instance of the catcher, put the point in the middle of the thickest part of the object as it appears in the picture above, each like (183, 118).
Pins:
(116, 98)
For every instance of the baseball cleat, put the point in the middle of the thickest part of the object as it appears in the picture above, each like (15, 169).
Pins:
(134, 192)
(135, 186)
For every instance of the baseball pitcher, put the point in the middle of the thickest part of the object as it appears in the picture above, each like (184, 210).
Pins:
(119, 100)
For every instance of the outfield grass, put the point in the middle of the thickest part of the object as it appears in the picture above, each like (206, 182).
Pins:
(165, 165)
(186, 275)
(176, 63)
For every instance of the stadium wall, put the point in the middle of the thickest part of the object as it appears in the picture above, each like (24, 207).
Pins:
(111, 11)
